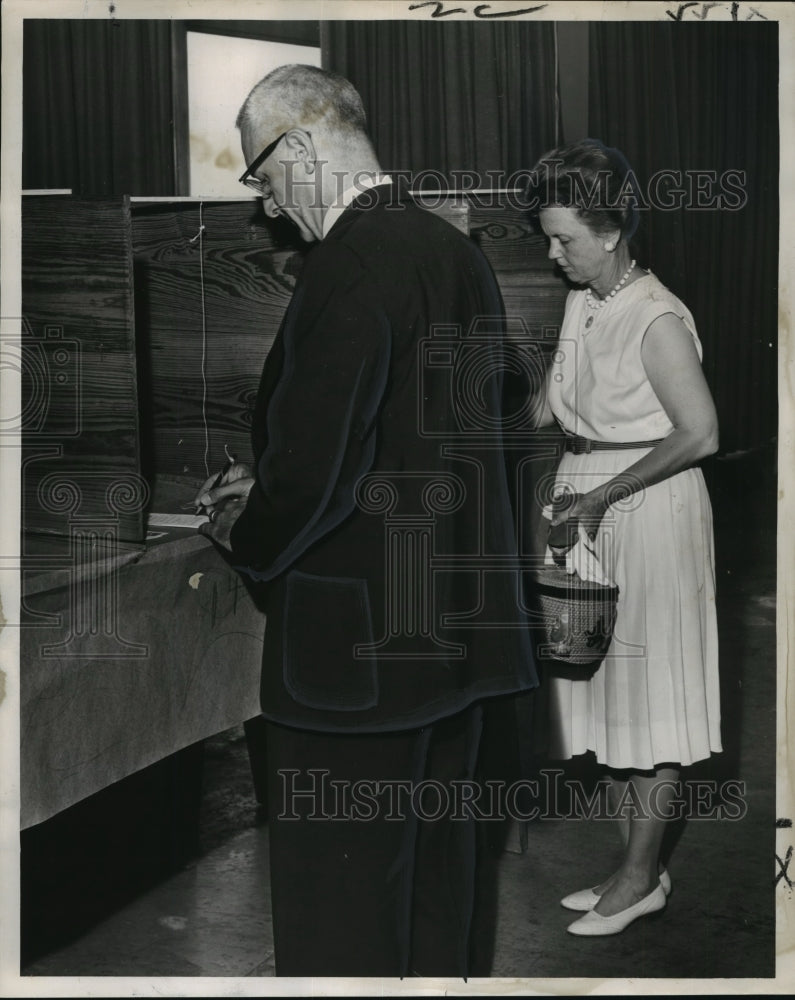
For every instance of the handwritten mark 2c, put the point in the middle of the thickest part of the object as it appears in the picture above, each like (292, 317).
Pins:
(479, 11)
(440, 11)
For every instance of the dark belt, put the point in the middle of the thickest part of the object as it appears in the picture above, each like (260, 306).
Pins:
(584, 446)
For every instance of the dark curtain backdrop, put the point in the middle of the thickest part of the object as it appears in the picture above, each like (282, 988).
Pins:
(705, 97)
(97, 107)
(451, 96)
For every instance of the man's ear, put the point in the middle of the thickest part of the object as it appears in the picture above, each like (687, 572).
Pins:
(300, 144)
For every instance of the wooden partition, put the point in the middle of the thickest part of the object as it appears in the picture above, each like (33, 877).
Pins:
(81, 457)
(208, 303)
(534, 295)
(531, 288)
(147, 327)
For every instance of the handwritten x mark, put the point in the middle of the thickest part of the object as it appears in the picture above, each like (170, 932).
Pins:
(784, 866)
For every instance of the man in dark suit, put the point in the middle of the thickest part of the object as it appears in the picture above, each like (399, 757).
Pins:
(378, 523)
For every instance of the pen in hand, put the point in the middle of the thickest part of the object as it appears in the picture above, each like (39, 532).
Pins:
(219, 478)
(230, 461)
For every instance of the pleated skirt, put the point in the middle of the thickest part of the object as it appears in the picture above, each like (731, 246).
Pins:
(655, 699)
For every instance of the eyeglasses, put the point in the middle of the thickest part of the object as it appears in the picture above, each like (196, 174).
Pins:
(262, 187)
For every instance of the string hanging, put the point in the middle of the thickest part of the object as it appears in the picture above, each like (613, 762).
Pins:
(200, 237)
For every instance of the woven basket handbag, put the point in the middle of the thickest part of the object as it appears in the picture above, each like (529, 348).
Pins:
(576, 617)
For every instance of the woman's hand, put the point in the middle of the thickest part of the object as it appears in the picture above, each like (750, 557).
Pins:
(586, 509)
(589, 509)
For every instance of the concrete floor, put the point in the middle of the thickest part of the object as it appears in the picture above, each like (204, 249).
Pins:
(212, 917)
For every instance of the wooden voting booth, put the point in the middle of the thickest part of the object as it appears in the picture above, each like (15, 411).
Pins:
(146, 324)
(137, 640)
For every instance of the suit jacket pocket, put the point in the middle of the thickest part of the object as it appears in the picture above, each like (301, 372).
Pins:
(324, 619)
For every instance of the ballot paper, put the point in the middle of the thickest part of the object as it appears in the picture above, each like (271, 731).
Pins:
(176, 520)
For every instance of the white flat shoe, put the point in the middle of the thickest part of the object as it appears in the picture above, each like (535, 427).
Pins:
(586, 899)
(593, 924)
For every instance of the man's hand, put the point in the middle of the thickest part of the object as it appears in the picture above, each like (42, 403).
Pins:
(224, 503)
(235, 482)
(222, 520)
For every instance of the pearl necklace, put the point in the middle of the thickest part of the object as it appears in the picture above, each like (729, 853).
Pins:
(594, 303)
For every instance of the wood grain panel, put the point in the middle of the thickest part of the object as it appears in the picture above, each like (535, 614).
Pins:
(537, 297)
(534, 294)
(505, 235)
(208, 310)
(533, 291)
(80, 418)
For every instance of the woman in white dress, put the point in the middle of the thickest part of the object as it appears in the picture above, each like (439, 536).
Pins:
(627, 388)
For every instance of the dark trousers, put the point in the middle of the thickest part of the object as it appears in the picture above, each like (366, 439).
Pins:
(372, 873)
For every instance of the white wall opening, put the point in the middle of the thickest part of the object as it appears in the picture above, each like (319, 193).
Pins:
(221, 71)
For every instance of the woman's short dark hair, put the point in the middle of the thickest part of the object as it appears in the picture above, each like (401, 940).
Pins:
(594, 179)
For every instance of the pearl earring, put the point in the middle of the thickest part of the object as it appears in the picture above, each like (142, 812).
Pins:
(610, 247)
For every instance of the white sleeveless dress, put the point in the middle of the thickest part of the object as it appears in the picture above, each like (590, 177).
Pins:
(655, 699)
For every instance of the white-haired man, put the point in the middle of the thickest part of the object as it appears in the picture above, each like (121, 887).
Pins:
(367, 493)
